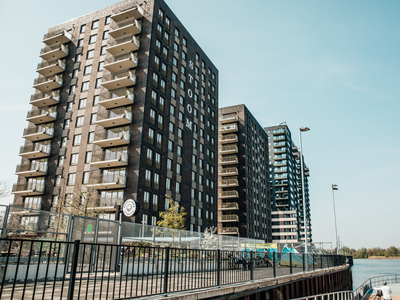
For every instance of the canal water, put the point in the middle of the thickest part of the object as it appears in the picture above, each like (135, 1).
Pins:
(364, 269)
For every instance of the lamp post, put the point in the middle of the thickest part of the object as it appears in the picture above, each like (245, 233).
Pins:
(335, 188)
(303, 129)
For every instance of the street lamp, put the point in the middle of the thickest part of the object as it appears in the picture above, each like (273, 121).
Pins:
(303, 129)
(335, 188)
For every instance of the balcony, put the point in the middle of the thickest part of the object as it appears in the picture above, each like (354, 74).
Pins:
(121, 62)
(35, 151)
(279, 137)
(44, 84)
(57, 51)
(112, 137)
(229, 218)
(38, 133)
(229, 160)
(229, 194)
(229, 171)
(280, 150)
(130, 26)
(32, 169)
(228, 206)
(228, 129)
(136, 12)
(114, 117)
(229, 230)
(229, 149)
(110, 159)
(116, 98)
(119, 79)
(28, 189)
(278, 131)
(42, 115)
(50, 68)
(123, 45)
(107, 181)
(228, 118)
(230, 138)
(229, 183)
(40, 99)
(57, 38)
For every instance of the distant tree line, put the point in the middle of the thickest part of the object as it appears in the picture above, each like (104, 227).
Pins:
(366, 253)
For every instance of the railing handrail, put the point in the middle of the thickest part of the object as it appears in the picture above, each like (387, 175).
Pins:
(131, 20)
(124, 39)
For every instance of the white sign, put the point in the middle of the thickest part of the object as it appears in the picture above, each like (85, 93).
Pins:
(131, 208)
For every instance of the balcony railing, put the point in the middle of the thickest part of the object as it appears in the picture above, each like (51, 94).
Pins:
(230, 230)
(280, 150)
(44, 84)
(229, 149)
(28, 189)
(33, 169)
(228, 118)
(228, 128)
(135, 12)
(229, 182)
(116, 98)
(112, 137)
(48, 68)
(121, 62)
(118, 80)
(129, 26)
(229, 206)
(57, 37)
(226, 160)
(110, 202)
(108, 159)
(114, 117)
(229, 218)
(42, 115)
(107, 181)
(38, 133)
(53, 52)
(229, 194)
(42, 99)
(123, 45)
(229, 171)
(230, 138)
(278, 131)
(36, 150)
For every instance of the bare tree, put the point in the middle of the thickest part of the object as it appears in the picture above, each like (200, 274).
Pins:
(4, 189)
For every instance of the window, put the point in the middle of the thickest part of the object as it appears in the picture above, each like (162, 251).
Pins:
(74, 159)
(165, 53)
(177, 32)
(169, 164)
(154, 97)
(183, 55)
(91, 137)
(88, 158)
(170, 145)
(168, 184)
(166, 37)
(159, 141)
(182, 85)
(153, 218)
(178, 169)
(164, 69)
(85, 86)
(93, 118)
(96, 100)
(163, 85)
(78, 57)
(105, 35)
(155, 79)
(183, 70)
(74, 74)
(147, 178)
(63, 142)
(108, 20)
(156, 181)
(161, 103)
(98, 83)
(71, 179)
(79, 121)
(157, 62)
(176, 47)
(179, 151)
(159, 29)
(88, 70)
(158, 46)
(161, 14)
(158, 160)
(90, 54)
(180, 116)
(173, 93)
(77, 140)
(92, 39)
(152, 116)
(101, 66)
(168, 22)
(174, 76)
(149, 156)
(180, 133)
(184, 42)
(95, 24)
(83, 28)
(82, 104)
(80, 43)
(151, 136)
(146, 199)
(178, 187)
(103, 50)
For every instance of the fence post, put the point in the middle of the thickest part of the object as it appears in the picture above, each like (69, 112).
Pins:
(74, 266)
(290, 259)
(251, 265)
(313, 260)
(273, 263)
(219, 268)
(321, 260)
(166, 270)
(304, 265)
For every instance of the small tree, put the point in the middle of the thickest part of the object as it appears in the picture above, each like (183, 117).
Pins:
(173, 218)
(210, 238)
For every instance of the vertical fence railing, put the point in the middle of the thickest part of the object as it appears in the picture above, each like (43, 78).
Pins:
(38, 269)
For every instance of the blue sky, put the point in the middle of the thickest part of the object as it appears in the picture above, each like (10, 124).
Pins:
(330, 65)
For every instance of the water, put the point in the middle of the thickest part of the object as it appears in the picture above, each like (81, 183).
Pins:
(364, 269)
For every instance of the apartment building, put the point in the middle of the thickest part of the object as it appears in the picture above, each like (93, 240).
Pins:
(244, 204)
(125, 103)
(286, 193)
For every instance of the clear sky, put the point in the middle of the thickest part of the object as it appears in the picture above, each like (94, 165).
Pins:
(333, 66)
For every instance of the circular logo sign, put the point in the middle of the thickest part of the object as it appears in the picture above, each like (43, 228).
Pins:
(131, 208)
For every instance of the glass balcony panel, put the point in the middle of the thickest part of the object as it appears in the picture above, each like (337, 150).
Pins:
(116, 98)
(121, 62)
(129, 26)
(118, 80)
(229, 194)
(42, 115)
(112, 137)
(51, 68)
(229, 138)
(33, 169)
(58, 37)
(136, 12)
(123, 45)
(38, 132)
(228, 128)
(44, 84)
(229, 171)
(53, 52)
(41, 99)
(228, 118)
(115, 117)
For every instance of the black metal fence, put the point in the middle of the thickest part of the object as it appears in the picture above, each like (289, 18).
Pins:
(39, 269)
